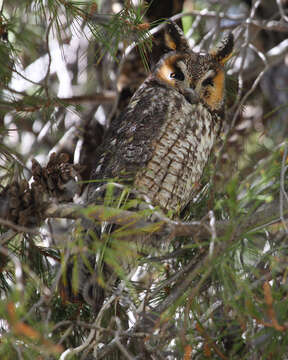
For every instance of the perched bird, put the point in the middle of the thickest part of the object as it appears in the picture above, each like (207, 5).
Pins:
(161, 143)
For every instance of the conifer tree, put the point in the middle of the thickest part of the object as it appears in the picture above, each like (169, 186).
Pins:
(218, 288)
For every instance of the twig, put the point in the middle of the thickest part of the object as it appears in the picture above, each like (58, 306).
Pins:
(281, 10)
(178, 275)
(211, 342)
(147, 322)
(18, 228)
(73, 351)
(104, 97)
(18, 269)
(46, 77)
(271, 25)
(270, 310)
(124, 351)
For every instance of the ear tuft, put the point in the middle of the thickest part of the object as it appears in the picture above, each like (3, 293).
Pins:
(224, 50)
(175, 38)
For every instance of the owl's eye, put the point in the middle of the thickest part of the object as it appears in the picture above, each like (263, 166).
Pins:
(208, 81)
(177, 75)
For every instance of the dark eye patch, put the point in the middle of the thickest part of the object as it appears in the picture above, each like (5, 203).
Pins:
(208, 81)
(178, 75)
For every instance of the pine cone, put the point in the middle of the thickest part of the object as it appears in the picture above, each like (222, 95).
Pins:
(22, 205)
(25, 205)
(58, 178)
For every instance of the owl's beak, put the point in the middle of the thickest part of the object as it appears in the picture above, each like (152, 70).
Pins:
(191, 95)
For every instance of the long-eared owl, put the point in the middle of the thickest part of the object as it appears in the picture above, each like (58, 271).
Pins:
(162, 141)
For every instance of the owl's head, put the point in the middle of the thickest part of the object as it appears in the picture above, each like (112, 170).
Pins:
(199, 77)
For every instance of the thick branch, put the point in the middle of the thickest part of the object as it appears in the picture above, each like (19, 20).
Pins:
(133, 220)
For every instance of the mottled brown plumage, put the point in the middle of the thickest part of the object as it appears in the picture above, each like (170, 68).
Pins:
(162, 141)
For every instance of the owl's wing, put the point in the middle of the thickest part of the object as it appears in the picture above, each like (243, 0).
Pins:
(129, 142)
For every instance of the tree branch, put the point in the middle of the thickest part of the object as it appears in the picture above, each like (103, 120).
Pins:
(268, 215)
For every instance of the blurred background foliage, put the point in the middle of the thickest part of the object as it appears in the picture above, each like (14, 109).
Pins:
(67, 68)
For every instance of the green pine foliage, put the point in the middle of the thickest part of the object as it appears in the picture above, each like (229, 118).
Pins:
(217, 285)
